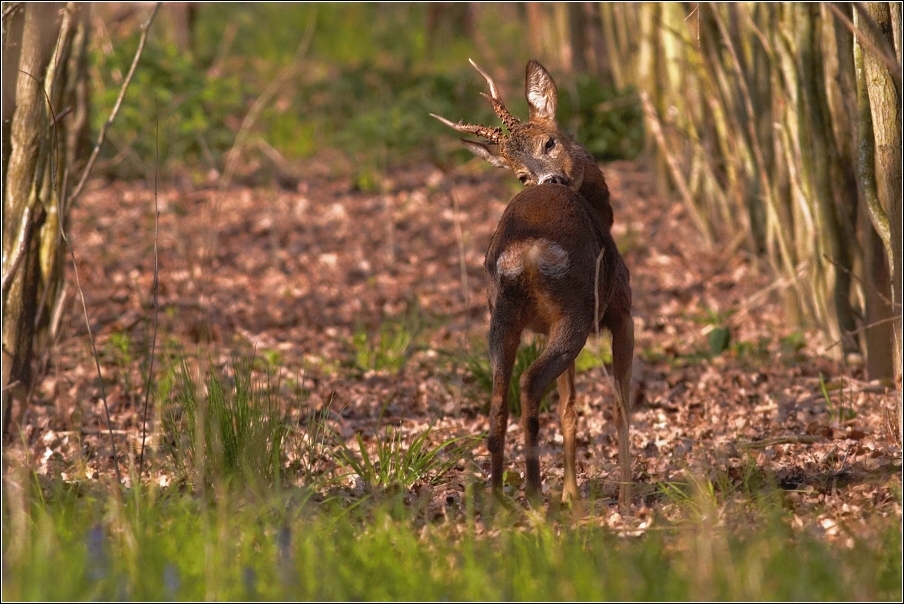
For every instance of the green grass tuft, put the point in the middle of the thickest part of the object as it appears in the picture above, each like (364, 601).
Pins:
(232, 427)
(389, 347)
(393, 464)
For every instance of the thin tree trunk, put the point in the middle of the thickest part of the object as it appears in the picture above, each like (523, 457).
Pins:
(577, 36)
(883, 115)
(33, 187)
(878, 343)
(822, 166)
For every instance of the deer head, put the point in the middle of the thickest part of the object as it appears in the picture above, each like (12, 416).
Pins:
(537, 151)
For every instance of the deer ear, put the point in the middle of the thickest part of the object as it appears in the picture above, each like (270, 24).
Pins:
(486, 151)
(541, 93)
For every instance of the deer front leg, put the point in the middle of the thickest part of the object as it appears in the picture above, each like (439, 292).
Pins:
(622, 328)
(569, 421)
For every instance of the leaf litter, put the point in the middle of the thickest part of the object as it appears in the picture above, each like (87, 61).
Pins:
(314, 277)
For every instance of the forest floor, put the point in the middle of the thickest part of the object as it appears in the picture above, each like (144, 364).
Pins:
(373, 303)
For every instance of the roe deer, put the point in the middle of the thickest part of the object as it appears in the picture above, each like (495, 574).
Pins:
(552, 267)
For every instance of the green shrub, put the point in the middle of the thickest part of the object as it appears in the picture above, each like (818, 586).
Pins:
(365, 87)
(169, 88)
(605, 121)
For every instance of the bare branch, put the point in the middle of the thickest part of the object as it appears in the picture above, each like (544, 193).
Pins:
(674, 168)
(866, 38)
(146, 26)
(790, 439)
(21, 245)
(11, 8)
(147, 390)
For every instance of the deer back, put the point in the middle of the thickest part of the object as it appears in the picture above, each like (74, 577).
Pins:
(548, 251)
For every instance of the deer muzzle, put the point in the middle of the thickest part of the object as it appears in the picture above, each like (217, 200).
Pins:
(554, 179)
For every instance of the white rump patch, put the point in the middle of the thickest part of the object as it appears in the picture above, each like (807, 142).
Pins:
(552, 260)
(510, 263)
(549, 258)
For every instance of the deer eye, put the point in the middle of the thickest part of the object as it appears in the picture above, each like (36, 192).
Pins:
(523, 178)
(549, 145)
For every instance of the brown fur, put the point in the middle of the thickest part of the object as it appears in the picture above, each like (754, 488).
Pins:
(553, 268)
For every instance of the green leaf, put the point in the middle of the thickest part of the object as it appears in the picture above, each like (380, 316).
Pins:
(719, 339)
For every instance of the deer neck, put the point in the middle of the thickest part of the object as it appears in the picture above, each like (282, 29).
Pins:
(595, 190)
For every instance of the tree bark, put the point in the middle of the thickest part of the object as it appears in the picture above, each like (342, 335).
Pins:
(577, 35)
(884, 120)
(821, 166)
(33, 188)
(879, 149)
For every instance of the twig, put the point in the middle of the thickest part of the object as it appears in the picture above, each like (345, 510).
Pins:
(890, 61)
(882, 296)
(789, 439)
(216, 67)
(147, 390)
(691, 14)
(860, 330)
(11, 385)
(240, 139)
(127, 433)
(11, 8)
(73, 196)
(674, 168)
(62, 114)
(758, 296)
(24, 238)
(857, 278)
(146, 26)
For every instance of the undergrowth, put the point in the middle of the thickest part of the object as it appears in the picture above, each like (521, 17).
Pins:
(399, 461)
(720, 538)
(365, 88)
(153, 544)
(230, 425)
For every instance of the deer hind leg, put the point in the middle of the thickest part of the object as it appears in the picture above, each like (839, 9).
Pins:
(569, 421)
(565, 342)
(505, 336)
(622, 328)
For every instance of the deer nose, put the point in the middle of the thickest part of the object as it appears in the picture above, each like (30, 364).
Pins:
(554, 179)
